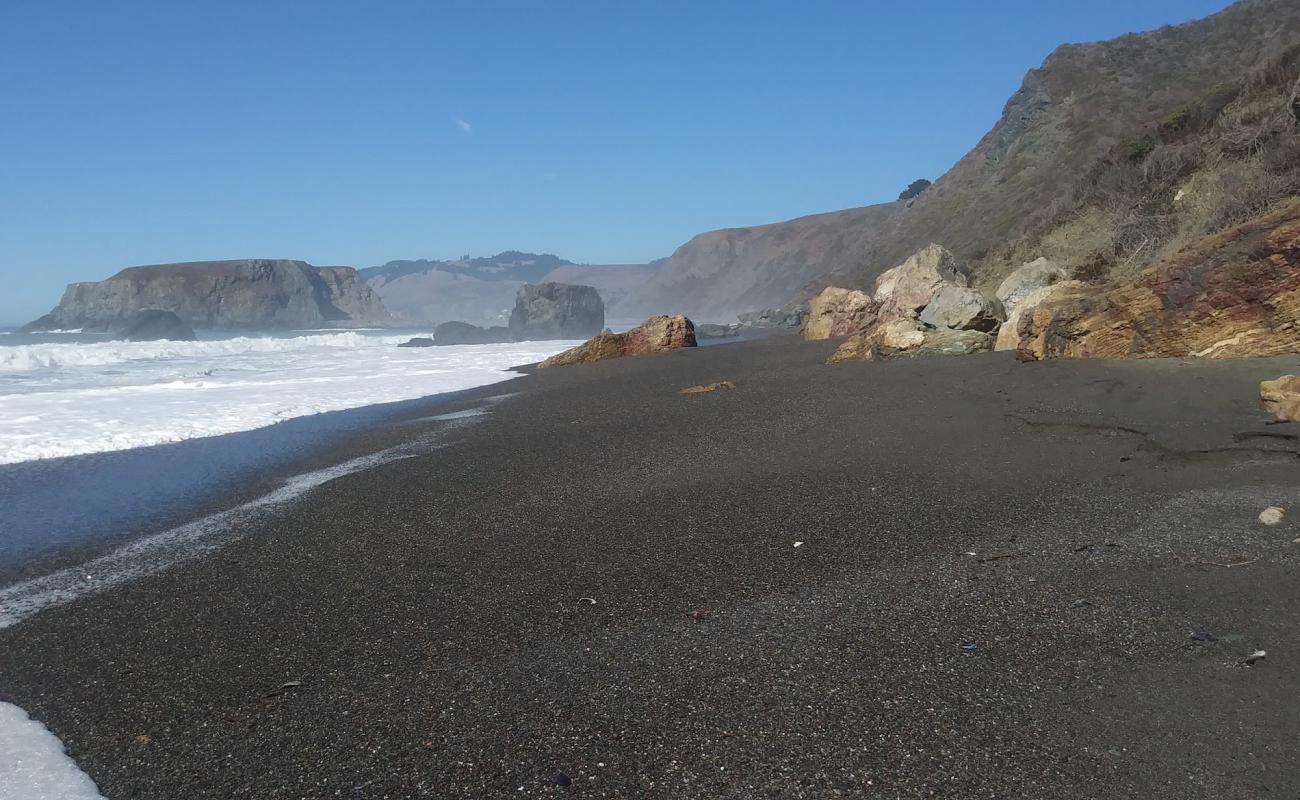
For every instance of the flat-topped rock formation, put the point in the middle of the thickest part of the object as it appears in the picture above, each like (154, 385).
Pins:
(249, 294)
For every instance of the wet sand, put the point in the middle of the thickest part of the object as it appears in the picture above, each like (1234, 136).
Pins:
(1014, 580)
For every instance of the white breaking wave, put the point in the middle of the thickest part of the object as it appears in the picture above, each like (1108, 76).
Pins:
(26, 357)
(33, 764)
(62, 399)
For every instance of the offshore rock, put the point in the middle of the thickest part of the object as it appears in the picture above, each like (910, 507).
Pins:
(252, 294)
(151, 325)
(556, 311)
(452, 333)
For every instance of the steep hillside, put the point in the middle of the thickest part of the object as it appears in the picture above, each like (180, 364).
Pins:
(1089, 107)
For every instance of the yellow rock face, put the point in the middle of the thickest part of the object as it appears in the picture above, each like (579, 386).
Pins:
(838, 312)
(1281, 398)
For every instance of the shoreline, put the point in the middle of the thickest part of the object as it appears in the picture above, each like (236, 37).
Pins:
(422, 628)
(125, 495)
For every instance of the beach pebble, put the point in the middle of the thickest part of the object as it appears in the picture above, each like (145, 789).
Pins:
(1271, 515)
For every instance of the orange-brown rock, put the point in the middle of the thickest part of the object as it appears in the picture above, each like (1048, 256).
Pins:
(1281, 398)
(1225, 296)
(655, 335)
(708, 387)
(838, 312)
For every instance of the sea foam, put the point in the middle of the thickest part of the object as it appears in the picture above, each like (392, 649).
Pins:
(64, 398)
(33, 765)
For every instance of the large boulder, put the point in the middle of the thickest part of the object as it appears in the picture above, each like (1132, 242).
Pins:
(655, 335)
(1027, 279)
(153, 324)
(906, 289)
(1281, 398)
(1008, 333)
(838, 312)
(556, 311)
(453, 333)
(903, 338)
(1229, 295)
(962, 308)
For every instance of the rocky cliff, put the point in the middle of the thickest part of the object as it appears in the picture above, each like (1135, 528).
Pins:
(1083, 119)
(252, 294)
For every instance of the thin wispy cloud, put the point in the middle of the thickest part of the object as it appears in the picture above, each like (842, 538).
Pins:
(463, 125)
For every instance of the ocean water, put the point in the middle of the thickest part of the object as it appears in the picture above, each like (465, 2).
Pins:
(69, 394)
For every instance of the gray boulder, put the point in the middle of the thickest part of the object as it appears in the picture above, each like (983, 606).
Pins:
(791, 316)
(556, 311)
(417, 341)
(154, 324)
(709, 330)
(963, 309)
(451, 333)
(1027, 279)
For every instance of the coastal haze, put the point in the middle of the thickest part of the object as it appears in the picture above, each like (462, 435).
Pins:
(837, 429)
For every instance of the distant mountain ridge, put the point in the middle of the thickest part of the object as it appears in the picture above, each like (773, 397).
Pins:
(511, 265)
(481, 291)
(1087, 113)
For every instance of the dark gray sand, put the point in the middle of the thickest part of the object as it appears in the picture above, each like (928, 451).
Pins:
(1015, 581)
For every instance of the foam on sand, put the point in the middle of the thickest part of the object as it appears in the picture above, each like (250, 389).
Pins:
(33, 765)
(162, 550)
(64, 398)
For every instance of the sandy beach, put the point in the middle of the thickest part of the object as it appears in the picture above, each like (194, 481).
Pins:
(959, 577)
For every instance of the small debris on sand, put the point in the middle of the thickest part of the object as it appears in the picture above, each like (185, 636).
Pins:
(708, 387)
(1271, 515)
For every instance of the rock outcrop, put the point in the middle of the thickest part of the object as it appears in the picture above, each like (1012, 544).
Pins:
(838, 312)
(1230, 295)
(655, 335)
(152, 324)
(1028, 279)
(903, 338)
(253, 294)
(1281, 398)
(1008, 336)
(418, 341)
(906, 289)
(453, 333)
(962, 308)
(556, 311)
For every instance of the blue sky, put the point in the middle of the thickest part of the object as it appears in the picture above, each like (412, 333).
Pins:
(359, 132)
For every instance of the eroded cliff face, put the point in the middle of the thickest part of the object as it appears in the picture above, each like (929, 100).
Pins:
(252, 294)
(1226, 296)
(1069, 116)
